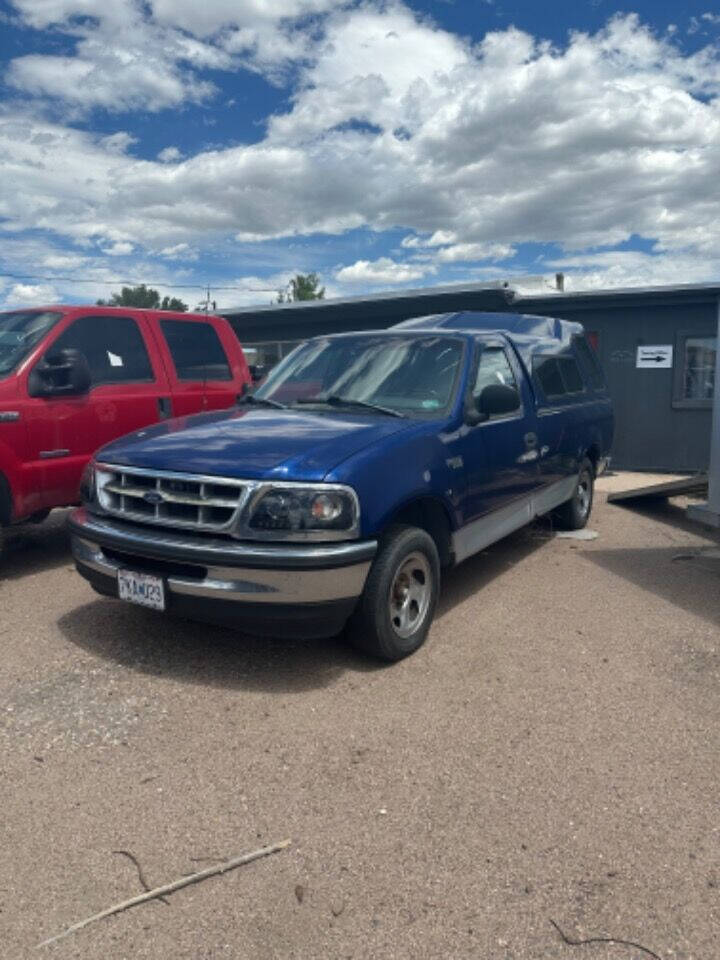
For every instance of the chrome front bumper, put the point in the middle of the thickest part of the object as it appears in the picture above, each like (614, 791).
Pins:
(292, 574)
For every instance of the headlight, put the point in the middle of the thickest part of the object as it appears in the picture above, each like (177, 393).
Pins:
(290, 509)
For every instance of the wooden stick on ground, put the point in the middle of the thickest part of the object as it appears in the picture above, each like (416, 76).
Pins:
(171, 887)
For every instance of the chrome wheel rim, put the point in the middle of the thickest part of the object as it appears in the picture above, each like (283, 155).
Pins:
(584, 494)
(410, 594)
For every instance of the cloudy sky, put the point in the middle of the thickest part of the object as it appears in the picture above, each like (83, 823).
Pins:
(382, 144)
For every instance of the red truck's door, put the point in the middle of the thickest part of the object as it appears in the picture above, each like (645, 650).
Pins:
(205, 364)
(129, 390)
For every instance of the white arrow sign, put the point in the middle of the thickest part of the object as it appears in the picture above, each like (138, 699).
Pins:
(654, 358)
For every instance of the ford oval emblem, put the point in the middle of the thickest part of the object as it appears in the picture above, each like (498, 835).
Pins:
(153, 496)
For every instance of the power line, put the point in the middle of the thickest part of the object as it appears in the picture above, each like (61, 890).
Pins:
(134, 283)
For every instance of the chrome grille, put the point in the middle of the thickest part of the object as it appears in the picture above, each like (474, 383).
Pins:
(170, 499)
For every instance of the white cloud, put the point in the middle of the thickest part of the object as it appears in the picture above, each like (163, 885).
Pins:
(394, 123)
(209, 17)
(44, 13)
(169, 155)
(627, 268)
(63, 261)
(469, 252)
(180, 251)
(438, 239)
(128, 70)
(30, 294)
(375, 66)
(380, 272)
(130, 55)
(121, 248)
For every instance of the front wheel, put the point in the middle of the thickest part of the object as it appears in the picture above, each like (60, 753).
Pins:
(574, 513)
(396, 608)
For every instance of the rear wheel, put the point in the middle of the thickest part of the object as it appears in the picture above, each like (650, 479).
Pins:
(574, 513)
(396, 608)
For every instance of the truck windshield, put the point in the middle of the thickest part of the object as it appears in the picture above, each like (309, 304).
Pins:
(19, 332)
(410, 375)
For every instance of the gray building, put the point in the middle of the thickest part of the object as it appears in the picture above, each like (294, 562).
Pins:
(657, 346)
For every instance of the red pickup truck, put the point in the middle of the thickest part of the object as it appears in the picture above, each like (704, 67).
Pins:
(74, 378)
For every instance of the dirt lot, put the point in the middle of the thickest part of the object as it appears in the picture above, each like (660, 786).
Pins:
(552, 752)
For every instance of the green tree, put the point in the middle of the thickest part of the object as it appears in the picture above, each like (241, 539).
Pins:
(144, 297)
(303, 286)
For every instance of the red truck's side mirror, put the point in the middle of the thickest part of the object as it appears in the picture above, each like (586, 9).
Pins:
(62, 373)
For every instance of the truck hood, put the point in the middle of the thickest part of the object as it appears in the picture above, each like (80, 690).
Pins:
(252, 444)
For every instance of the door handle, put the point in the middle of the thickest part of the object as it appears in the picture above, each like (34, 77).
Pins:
(530, 440)
(164, 407)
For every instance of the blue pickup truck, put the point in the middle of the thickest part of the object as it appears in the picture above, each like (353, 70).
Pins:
(333, 495)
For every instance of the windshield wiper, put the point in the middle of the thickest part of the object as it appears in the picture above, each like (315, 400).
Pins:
(262, 401)
(335, 400)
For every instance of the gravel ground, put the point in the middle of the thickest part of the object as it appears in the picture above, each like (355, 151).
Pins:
(552, 752)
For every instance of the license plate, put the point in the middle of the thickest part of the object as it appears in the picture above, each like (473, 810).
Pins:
(141, 588)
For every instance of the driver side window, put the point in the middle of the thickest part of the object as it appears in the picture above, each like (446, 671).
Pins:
(494, 368)
(114, 348)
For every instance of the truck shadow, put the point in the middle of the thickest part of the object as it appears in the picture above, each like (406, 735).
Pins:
(33, 548)
(207, 655)
(680, 574)
(462, 582)
(665, 511)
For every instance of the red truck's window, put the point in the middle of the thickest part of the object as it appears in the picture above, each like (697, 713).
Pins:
(114, 348)
(196, 350)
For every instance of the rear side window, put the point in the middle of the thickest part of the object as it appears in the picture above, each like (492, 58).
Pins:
(558, 376)
(196, 350)
(114, 348)
(547, 373)
(570, 373)
(591, 363)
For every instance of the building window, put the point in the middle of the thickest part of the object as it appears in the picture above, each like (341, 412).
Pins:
(695, 371)
(699, 368)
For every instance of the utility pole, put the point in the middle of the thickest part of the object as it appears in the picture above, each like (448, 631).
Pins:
(205, 304)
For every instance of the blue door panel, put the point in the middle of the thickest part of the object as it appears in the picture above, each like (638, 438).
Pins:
(500, 456)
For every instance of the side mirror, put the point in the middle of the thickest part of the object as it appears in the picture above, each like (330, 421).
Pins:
(64, 373)
(257, 372)
(495, 400)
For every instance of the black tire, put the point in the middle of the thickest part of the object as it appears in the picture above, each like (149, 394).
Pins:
(575, 512)
(406, 566)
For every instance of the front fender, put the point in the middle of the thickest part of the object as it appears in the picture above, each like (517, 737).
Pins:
(392, 474)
